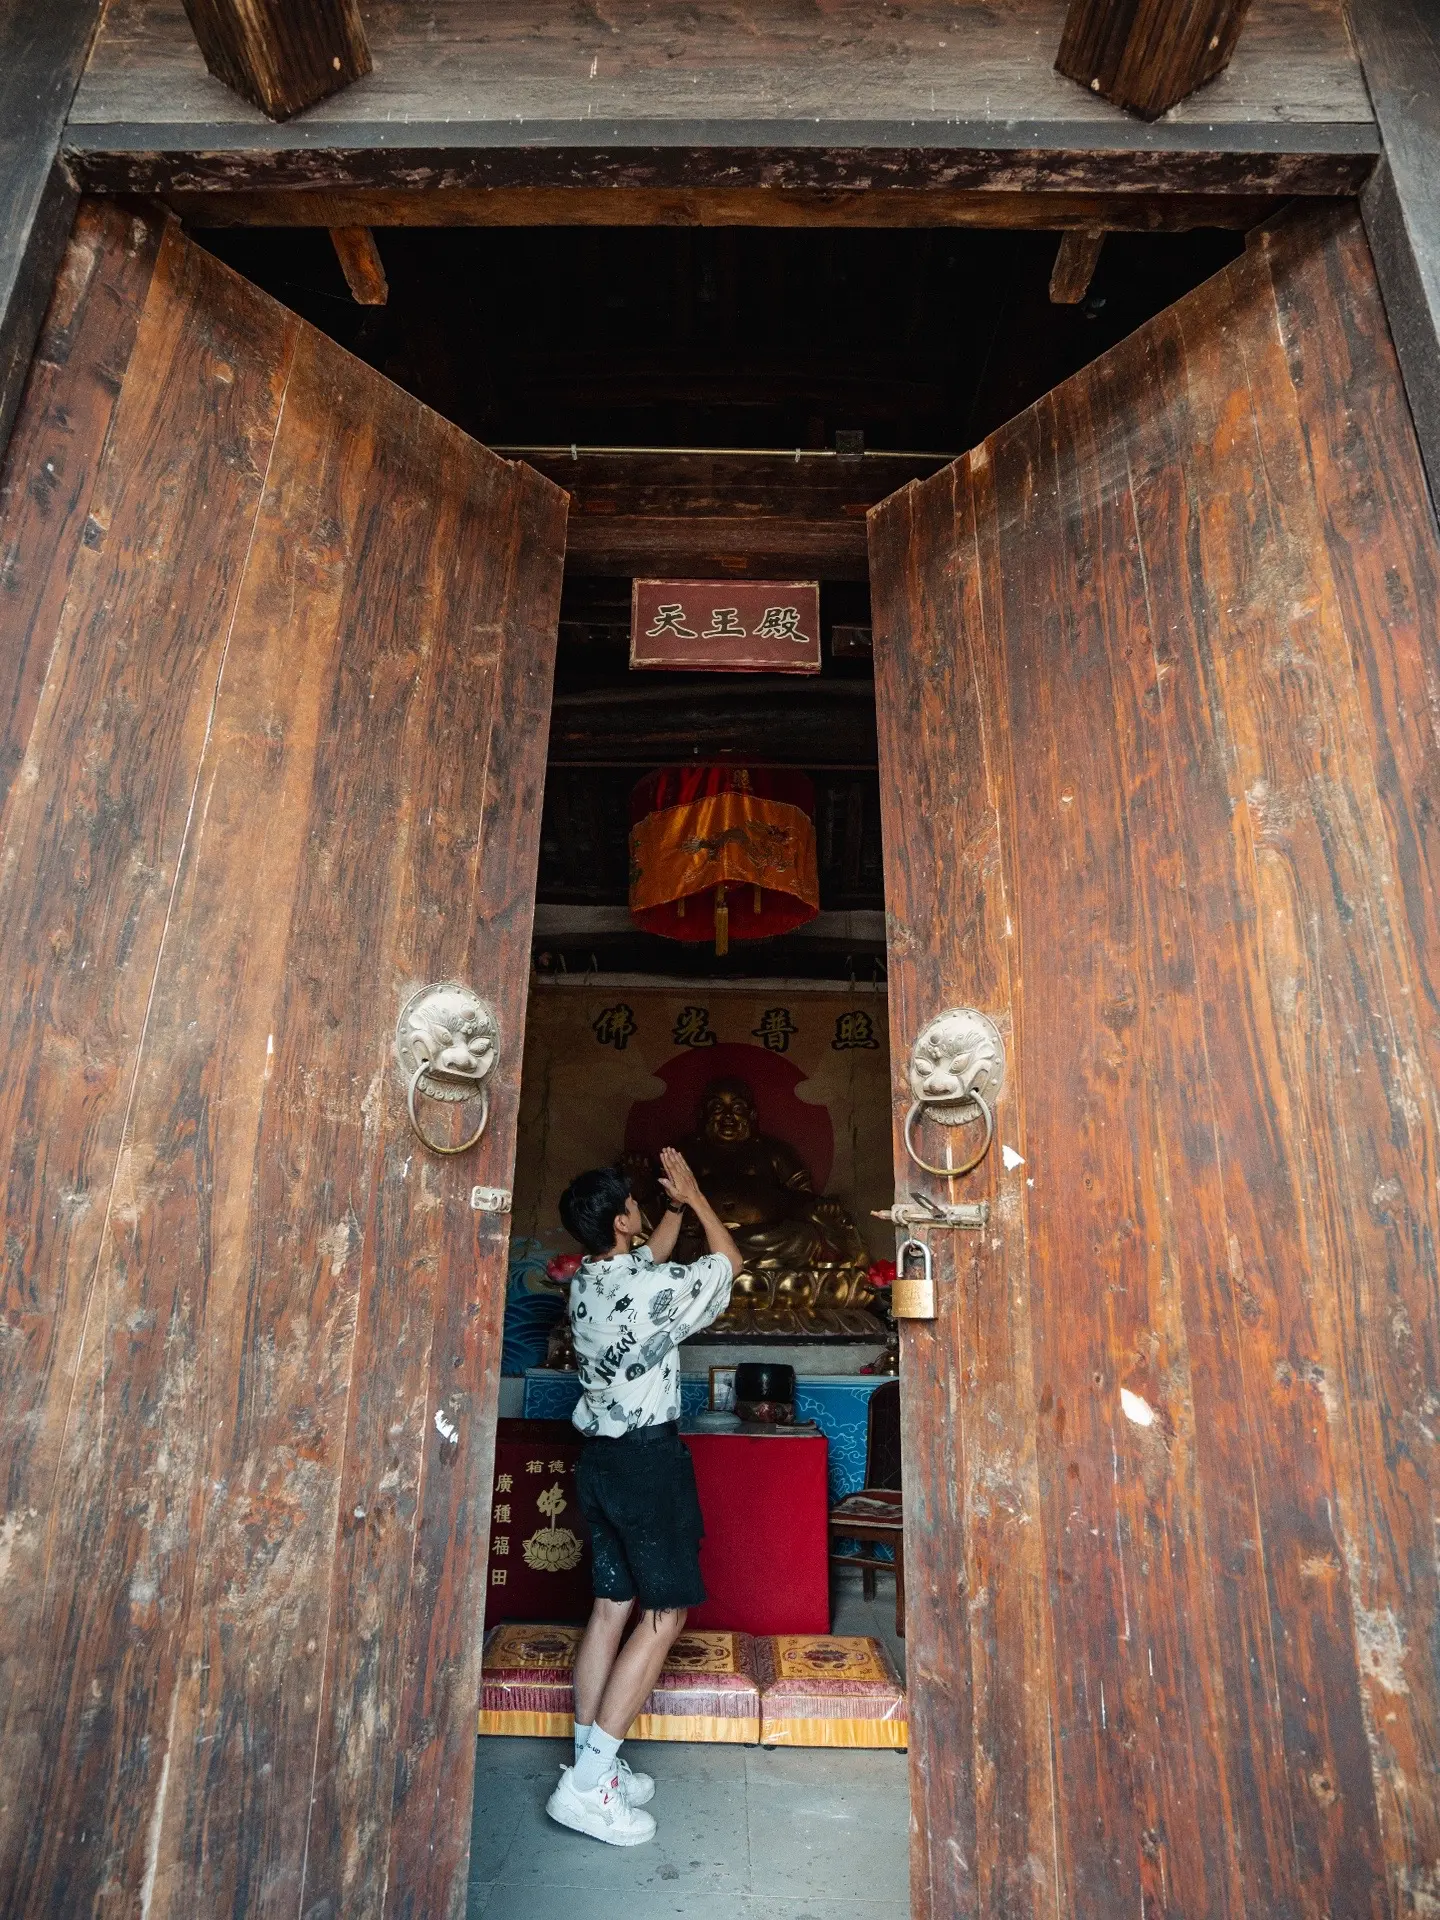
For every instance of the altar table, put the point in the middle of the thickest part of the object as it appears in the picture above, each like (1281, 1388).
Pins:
(764, 1559)
(766, 1554)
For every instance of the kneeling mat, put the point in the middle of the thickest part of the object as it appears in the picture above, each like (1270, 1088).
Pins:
(707, 1689)
(827, 1690)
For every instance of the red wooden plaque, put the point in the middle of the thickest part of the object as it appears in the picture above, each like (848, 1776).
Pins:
(726, 626)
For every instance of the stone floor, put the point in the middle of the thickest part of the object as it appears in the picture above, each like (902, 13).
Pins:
(744, 1834)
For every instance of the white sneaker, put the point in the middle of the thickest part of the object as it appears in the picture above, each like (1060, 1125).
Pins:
(638, 1788)
(604, 1812)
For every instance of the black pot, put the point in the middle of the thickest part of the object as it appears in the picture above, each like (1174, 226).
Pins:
(763, 1380)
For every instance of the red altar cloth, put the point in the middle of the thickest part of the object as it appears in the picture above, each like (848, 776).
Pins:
(765, 1558)
(539, 1546)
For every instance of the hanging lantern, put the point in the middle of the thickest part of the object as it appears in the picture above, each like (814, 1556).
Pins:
(723, 853)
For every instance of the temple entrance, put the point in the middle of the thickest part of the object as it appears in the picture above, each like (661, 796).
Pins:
(767, 1063)
(329, 770)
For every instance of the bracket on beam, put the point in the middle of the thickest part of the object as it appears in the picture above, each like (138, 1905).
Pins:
(364, 269)
(1076, 259)
(281, 55)
(1146, 55)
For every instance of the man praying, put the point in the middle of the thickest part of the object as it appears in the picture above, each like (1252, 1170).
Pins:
(630, 1307)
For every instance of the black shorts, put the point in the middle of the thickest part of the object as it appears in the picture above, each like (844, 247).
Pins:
(638, 1494)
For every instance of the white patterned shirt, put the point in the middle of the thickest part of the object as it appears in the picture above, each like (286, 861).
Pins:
(628, 1314)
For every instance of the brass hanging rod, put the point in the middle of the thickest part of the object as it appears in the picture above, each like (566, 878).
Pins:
(573, 451)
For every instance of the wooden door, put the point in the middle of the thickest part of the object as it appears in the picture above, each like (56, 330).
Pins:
(1159, 682)
(275, 679)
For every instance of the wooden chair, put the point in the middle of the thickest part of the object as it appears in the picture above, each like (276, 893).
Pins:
(872, 1517)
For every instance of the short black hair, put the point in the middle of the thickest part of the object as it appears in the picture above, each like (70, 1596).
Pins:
(591, 1204)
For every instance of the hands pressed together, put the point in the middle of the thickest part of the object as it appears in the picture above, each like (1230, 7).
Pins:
(677, 1179)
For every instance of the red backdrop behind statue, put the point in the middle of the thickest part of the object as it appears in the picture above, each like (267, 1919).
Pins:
(666, 1120)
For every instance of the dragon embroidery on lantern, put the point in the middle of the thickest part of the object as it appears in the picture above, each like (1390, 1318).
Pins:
(552, 1549)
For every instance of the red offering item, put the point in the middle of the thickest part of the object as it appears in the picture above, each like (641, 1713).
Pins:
(723, 853)
(765, 1557)
(539, 1546)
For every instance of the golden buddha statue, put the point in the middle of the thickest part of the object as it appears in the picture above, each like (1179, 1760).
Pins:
(806, 1265)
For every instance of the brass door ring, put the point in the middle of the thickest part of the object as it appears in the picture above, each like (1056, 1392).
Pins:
(434, 1145)
(447, 1042)
(953, 1173)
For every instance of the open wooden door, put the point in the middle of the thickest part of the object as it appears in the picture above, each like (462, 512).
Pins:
(277, 665)
(1159, 674)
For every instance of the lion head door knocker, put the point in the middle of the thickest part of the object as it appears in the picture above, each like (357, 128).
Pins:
(447, 1041)
(957, 1066)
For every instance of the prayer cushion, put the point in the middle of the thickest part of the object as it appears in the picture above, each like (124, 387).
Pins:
(707, 1690)
(525, 1680)
(825, 1690)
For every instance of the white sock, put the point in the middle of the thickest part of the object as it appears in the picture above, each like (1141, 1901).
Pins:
(597, 1762)
(582, 1734)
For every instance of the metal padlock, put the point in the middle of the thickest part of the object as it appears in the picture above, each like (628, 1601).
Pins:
(912, 1296)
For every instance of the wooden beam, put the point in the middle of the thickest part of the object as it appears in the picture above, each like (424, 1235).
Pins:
(1399, 43)
(765, 717)
(42, 55)
(712, 515)
(1147, 55)
(281, 55)
(746, 94)
(907, 207)
(363, 268)
(1076, 259)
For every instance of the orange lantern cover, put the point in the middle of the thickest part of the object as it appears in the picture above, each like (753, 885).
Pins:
(723, 853)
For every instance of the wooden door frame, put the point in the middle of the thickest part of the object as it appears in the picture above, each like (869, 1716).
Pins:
(971, 169)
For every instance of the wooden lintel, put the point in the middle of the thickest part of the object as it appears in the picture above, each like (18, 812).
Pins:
(360, 261)
(281, 55)
(1076, 259)
(723, 207)
(1148, 55)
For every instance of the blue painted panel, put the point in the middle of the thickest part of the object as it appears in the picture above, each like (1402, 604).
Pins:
(837, 1405)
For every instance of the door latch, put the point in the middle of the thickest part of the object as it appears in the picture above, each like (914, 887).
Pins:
(919, 1210)
(490, 1199)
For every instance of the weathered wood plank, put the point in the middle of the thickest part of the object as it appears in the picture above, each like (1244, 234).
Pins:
(977, 1619)
(937, 94)
(231, 1693)
(1216, 1122)
(281, 55)
(1121, 1506)
(760, 59)
(1379, 601)
(1134, 212)
(100, 1465)
(1206, 587)
(520, 602)
(51, 462)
